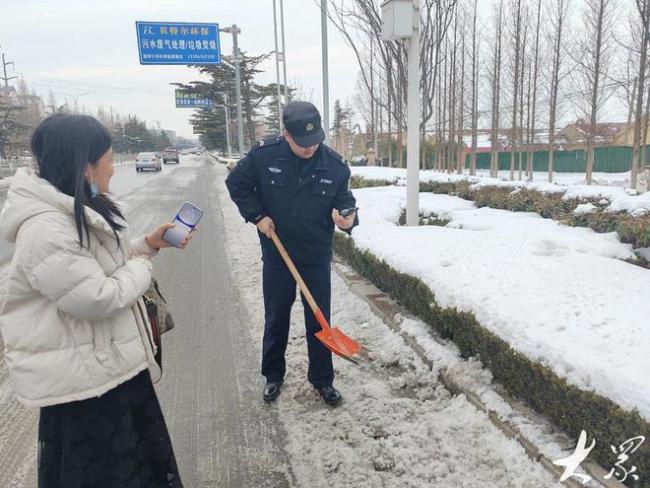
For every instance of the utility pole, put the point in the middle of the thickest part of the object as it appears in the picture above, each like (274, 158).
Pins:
(227, 110)
(284, 53)
(413, 137)
(5, 119)
(4, 69)
(277, 63)
(235, 31)
(326, 82)
(401, 22)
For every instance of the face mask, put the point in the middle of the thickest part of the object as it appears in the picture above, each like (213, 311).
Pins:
(94, 190)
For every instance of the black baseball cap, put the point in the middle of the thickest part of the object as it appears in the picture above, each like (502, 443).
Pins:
(302, 120)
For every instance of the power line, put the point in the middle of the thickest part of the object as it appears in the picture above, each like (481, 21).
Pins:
(94, 87)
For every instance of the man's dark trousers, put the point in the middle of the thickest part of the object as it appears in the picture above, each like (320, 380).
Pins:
(279, 295)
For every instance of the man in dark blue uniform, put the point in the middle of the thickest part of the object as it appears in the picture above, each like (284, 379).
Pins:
(296, 186)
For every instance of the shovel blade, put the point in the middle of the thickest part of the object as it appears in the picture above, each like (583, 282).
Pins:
(336, 341)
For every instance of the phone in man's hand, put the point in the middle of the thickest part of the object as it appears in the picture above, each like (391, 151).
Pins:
(186, 220)
(345, 213)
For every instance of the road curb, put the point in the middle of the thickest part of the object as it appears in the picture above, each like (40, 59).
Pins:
(387, 309)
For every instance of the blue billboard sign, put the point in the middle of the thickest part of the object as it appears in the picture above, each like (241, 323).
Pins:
(178, 43)
(192, 100)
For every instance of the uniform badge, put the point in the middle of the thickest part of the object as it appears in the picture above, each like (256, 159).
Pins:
(273, 169)
(261, 142)
(309, 127)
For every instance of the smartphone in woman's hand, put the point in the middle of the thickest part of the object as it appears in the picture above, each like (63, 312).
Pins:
(186, 220)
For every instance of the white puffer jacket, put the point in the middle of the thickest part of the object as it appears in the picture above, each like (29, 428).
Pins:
(71, 320)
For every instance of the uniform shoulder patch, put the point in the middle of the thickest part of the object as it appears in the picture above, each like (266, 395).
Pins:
(337, 156)
(262, 143)
(271, 141)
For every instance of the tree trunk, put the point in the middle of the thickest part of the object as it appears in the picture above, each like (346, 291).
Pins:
(515, 97)
(531, 154)
(555, 82)
(644, 13)
(460, 155)
(475, 73)
(496, 93)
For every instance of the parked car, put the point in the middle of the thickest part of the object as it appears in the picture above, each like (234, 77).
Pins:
(169, 155)
(148, 160)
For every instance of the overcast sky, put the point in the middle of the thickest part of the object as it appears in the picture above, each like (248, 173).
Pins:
(89, 48)
(93, 43)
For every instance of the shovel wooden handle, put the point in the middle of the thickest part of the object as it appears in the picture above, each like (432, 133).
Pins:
(294, 272)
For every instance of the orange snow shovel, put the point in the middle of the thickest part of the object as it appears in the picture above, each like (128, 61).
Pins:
(332, 337)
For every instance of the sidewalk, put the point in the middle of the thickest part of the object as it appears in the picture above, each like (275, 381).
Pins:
(398, 426)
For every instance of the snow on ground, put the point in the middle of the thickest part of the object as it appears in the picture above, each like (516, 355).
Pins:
(554, 293)
(639, 204)
(398, 427)
(585, 208)
(609, 186)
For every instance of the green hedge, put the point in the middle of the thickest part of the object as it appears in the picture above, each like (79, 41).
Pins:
(567, 406)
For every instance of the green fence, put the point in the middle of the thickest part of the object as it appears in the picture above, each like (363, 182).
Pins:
(615, 159)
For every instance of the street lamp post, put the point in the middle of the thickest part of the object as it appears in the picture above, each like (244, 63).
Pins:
(401, 21)
(277, 63)
(325, 60)
(235, 31)
(227, 110)
(284, 53)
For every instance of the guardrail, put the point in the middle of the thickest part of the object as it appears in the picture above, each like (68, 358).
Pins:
(9, 166)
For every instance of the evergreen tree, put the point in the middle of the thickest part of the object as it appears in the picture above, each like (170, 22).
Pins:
(272, 121)
(211, 123)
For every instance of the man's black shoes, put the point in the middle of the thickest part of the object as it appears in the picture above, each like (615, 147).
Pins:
(272, 391)
(330, 395)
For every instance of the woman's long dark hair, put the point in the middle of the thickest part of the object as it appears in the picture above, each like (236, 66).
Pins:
(64, 146)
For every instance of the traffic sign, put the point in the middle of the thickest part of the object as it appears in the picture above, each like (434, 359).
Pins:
(192, 100)
(178, 43)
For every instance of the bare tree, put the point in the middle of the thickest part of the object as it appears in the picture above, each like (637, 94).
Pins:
(516, 6)
(525, 65)
(557, 22)
(495, 78)
(460, 143)
(359, 19)
(593, 56)
(453, 95)
(643, 9)
(475, 82)
(532, 108)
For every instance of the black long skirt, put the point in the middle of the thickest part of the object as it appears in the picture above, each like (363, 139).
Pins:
(118, 440)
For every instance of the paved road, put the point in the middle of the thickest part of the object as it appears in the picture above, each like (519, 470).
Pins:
(223, 436)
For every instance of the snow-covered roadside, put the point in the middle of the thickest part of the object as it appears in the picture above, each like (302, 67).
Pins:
(398, 426)
(556, 294)
(608, 186)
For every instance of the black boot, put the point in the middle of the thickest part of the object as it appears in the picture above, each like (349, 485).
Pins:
(272, 390)
(330, 395)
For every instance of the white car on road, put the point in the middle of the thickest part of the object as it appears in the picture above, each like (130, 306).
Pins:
(148, 160)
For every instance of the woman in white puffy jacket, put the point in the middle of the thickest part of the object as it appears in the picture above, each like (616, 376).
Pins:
(76, 341)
